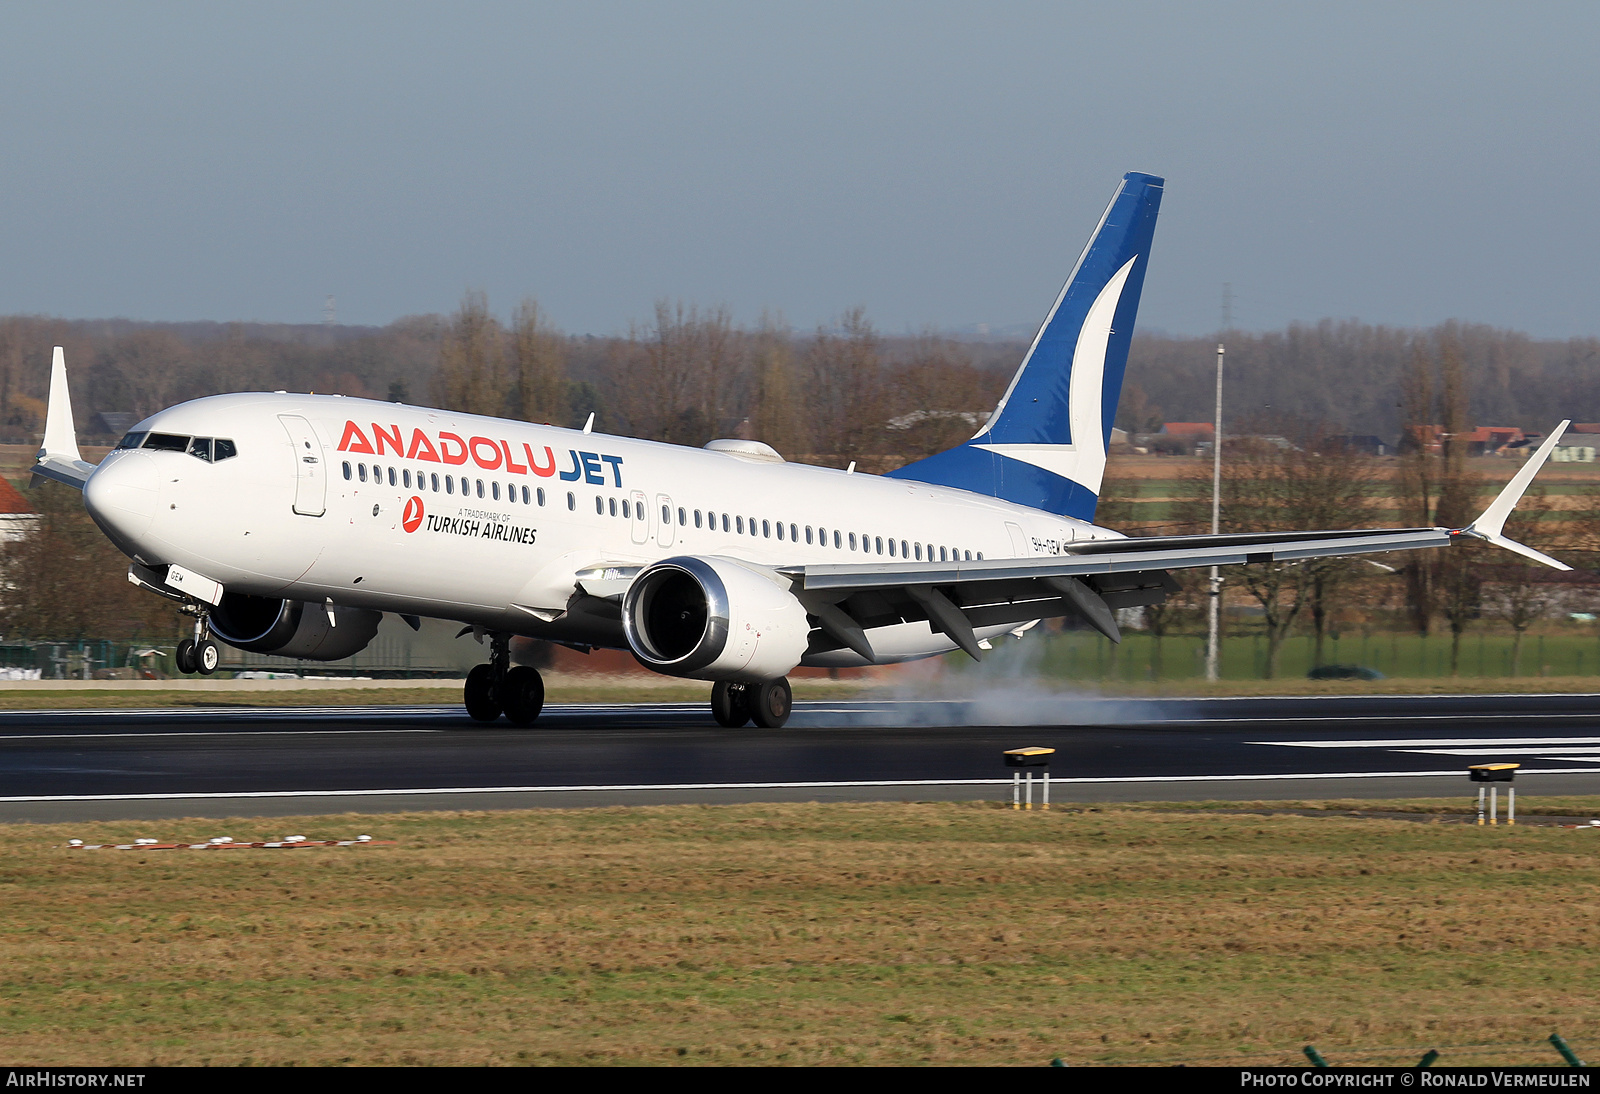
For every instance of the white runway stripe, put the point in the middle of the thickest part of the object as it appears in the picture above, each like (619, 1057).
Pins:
(191, 734)
(1497, 751)
(1437, 742)
(660, 787)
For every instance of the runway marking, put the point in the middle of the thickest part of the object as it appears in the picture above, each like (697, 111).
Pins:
(189, 734)
(659, 787)
(1437, 742)
(1495, 751)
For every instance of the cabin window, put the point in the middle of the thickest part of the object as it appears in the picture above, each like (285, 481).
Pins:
(941, 555)
(836, 538)
(572, 500)
(980, 556)
(808, 534)
(480, 488)
(697, 518)
(435, 487)
(766, 528)
(724, 522)
(666, 515)
(613, 502)
(599, 505)
(525, 495)
(969, 556)
(780, 529)
(449, 484)
(494, 491)
(683, 517)
(917, 547)
(391, 477)
(891, 548)
(132, 440)
(904, 551)
(738, 521)
(167, 442)
(361, 470)
(852, 539)
(880, 545)
(405, 477)
(347, 470)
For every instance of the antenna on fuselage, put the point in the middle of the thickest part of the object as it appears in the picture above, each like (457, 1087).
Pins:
(589, 425)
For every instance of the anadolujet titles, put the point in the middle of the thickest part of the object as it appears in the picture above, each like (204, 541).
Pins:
(288, 524)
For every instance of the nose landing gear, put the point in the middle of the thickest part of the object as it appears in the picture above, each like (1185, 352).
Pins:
(498, 687)
(198, 654)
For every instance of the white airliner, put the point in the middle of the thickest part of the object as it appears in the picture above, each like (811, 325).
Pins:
(288, 524)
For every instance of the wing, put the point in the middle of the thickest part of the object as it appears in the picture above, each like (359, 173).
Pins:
(1095, 578)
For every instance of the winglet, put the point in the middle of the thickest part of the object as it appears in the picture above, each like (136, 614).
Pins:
(60, 438)
(59, 458)
(1492, 521)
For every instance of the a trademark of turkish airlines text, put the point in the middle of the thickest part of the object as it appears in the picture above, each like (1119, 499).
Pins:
(481, 529)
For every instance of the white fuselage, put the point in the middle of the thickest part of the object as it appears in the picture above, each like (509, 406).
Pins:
(416, 511)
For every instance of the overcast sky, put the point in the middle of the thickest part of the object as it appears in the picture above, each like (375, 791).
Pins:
(938, 164)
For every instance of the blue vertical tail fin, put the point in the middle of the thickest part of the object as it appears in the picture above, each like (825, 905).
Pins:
(1045, 444)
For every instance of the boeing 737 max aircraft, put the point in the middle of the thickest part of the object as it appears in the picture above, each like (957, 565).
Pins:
(288, 524)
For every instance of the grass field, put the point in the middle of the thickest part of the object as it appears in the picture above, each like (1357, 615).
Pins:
(807, 934)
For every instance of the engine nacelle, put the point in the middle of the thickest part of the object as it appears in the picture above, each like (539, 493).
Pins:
(712, 618)
(292, 628)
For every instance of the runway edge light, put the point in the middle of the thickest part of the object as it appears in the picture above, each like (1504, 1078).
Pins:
(1494, 774)
(1031, 756)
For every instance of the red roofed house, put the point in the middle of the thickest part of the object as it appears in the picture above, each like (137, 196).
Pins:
(16, 516)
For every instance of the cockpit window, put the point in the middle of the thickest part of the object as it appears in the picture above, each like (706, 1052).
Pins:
(132, 440)
(224, 449)
(200, 448)
(167, 442)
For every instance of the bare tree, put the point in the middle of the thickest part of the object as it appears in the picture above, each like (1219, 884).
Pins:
(778, 415)
(539, 357)
(471, 374)
(844, 367)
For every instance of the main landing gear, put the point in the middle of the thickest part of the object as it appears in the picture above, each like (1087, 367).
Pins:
(198, 654)
(517, 691)
(767, 703)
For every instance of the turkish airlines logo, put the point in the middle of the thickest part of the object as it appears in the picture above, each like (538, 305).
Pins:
(412, 518)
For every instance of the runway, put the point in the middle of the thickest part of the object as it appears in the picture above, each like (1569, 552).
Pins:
(248, 761)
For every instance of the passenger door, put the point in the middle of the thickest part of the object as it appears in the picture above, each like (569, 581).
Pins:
(310, 484)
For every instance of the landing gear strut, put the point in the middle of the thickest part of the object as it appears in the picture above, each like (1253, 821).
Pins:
(768, 703)
(198, 654)
(499, 687)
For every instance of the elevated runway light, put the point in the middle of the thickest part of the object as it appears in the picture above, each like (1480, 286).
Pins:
(1030, 757)
(1493, 775)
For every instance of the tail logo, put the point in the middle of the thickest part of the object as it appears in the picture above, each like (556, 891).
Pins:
(412, 518)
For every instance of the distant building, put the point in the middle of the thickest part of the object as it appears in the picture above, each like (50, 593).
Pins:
(1189, 430)
(17, 517)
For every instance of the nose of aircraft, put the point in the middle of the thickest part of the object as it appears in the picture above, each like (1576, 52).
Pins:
(121, 496)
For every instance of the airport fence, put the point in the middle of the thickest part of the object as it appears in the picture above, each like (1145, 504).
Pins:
(98, 658)
(1084, 655)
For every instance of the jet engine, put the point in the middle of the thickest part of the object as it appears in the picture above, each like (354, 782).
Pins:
(712, 618)
(292, 628)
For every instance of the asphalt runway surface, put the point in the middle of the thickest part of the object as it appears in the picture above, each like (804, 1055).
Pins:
(250, 761)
